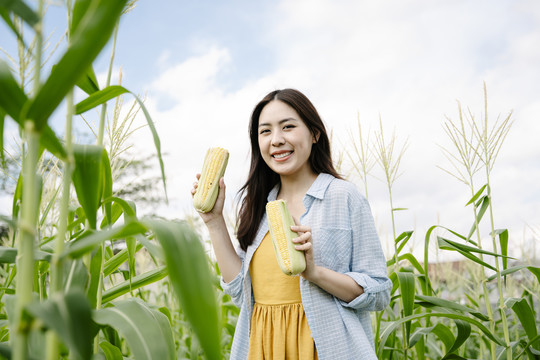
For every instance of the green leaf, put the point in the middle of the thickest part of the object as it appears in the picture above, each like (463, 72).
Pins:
(118, 259)
(391, 328)
(99, 97)
(464, 331)
(444, 333)
(111, 352)
(80, 8)
(430, 301)
(403, 238)
(88, 178)
(503, 240)
(477, 195)
(8, 255)
(110, 92)
(107, 184)
(147, 331)
(190, 275)
(19, 8)
(525, 314)
(95, 276)
(483, 208)
(2, 118)
(466, 251)
(138, 281)
(12, 98)
(88, 83)
(91, 35)
(407, 290)
(69, 315)
(84, 245)
(4, 14)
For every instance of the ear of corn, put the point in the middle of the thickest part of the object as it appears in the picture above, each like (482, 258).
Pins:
(215, 163)
(291, 261)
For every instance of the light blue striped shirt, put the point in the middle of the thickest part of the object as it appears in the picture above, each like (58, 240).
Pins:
(344, 240)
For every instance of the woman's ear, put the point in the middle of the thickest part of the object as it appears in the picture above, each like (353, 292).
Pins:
(316, 137)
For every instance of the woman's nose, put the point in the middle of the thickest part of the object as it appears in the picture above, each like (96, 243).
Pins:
(277, 138)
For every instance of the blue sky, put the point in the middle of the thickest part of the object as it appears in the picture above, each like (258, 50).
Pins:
(204, 64)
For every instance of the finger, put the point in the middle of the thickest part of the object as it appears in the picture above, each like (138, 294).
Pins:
(198, 176)
(305, 237)
(300, 228)
(303, 247)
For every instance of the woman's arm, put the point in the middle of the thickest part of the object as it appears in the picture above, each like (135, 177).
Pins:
(228, 260)
(340, 285)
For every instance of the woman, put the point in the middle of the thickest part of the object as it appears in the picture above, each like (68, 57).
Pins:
(324, 313)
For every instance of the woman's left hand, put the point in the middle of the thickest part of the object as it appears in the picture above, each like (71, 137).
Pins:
(303, 243)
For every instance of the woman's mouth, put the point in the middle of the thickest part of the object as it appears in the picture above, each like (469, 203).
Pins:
(282, 155)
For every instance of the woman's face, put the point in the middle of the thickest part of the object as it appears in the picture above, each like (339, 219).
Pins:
(284, 140)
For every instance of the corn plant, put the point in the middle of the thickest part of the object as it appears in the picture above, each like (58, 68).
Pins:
(59, 297)
(453, 316)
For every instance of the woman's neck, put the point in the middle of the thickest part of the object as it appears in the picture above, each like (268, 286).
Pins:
(294, 187)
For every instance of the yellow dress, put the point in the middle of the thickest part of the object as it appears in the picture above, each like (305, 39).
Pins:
(279, 327)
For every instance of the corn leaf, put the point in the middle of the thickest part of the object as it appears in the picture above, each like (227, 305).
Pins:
(503, 240)
(464, 331)
(20, 9)
(466, 251)
(407, 290)
(191, 277)
(147, 331)
(483, 203)
(107, 184)
(95, 276)
(525, 314)
(12, 97)
(85, 244)
(87, 179)
(390, 329)
(90, 36)
(111, 92)
(118, 259)
(99, 97)
(402, 239)
(8, 255)
(70, 316)
(111, 352)
(2, 118)
(134, 283)
(432, 301)
(477, 195)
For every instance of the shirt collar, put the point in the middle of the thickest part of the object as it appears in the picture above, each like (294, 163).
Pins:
(316, 190)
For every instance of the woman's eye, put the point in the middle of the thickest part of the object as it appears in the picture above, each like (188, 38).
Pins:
(264, 131)
(289, 127)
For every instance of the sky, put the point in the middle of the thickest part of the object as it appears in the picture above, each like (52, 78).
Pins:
(202, 66)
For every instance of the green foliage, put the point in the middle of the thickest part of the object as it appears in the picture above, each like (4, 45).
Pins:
(65, 289)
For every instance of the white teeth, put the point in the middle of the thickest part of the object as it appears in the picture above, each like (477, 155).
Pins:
(282, 155)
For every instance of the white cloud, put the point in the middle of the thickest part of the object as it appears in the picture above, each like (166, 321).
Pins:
(408, 62)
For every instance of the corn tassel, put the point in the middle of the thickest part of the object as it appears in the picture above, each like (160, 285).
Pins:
(215, 163)
(291, 261)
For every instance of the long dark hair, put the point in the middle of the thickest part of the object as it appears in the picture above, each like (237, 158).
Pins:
(261, 178)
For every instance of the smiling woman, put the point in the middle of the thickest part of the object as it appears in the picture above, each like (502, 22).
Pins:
(324, 313)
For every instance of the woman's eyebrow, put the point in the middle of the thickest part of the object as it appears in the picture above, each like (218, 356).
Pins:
(280, 122)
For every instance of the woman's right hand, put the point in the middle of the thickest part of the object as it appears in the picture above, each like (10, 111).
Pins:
(217, 210)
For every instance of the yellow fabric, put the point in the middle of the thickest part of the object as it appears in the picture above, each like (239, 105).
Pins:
(279, 327)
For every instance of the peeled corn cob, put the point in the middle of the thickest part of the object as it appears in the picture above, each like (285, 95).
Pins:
(215, 163)
(291, 261)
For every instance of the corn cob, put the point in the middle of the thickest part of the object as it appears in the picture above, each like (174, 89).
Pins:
(291, 261)
(215, 163)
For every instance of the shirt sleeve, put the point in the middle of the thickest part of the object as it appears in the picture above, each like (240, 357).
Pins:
(234, 288)
(368, 264)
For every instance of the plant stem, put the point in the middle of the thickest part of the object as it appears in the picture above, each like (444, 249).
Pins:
(108, 83)
(29, 209)
(27, 235)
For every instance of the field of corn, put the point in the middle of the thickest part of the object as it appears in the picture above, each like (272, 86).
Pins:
(83, 276)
